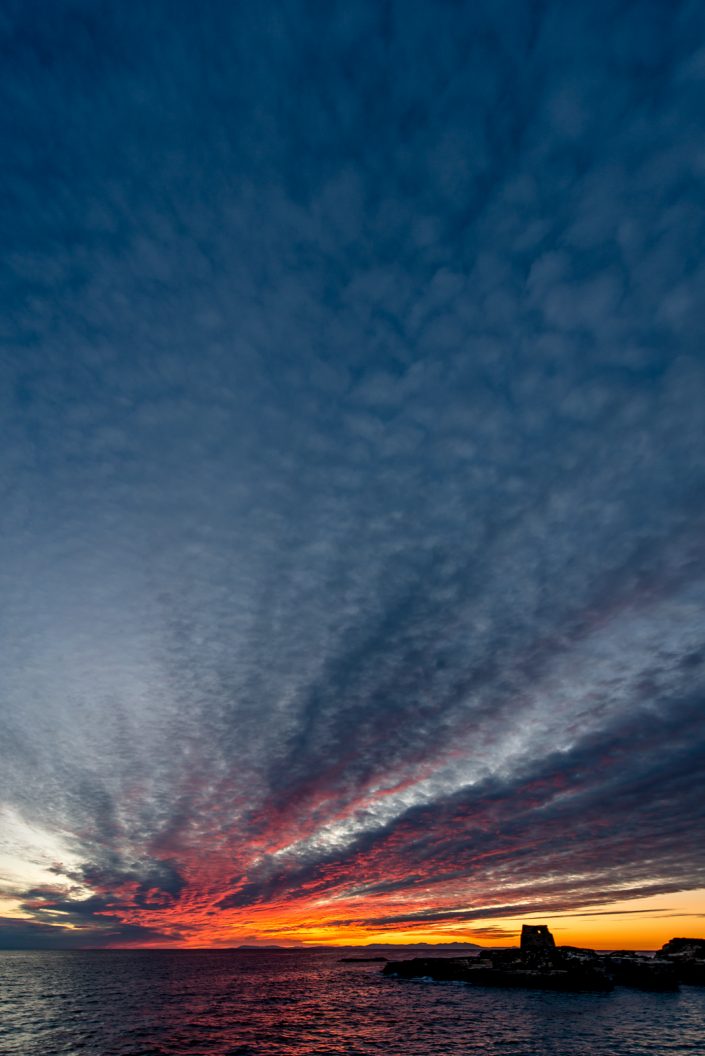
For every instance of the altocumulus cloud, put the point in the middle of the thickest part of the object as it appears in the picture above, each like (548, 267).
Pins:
(353, 463)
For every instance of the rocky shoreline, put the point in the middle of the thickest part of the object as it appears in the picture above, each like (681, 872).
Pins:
(539, 964)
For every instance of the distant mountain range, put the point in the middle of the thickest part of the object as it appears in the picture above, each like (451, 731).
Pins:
(370, 946)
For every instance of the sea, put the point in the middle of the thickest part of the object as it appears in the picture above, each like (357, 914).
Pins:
(262, 1002)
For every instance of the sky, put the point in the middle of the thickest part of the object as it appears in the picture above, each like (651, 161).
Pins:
(352, 456)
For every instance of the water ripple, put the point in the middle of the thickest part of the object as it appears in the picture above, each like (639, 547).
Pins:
(293, 1003)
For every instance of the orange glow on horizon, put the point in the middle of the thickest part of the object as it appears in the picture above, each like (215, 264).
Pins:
(632, 924)
(645, 923)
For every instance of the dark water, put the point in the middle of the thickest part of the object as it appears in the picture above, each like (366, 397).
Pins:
(154, 1003)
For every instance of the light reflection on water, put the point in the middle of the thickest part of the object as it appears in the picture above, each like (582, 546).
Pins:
(237, 1003)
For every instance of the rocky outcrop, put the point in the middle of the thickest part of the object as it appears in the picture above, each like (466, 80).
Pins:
(511, 975)
(645, 973)
(360, 960)
(684, 947)
(687, 958)
(539, 964)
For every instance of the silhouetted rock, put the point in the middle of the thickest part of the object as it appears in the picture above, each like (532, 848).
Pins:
(578, 978)
(687, 956)
(360, 960)
(684, 947)
(429, 967)
(643, 973)
(538, 967)
(539, 964)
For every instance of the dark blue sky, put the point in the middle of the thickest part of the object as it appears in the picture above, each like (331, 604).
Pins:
(352, 448)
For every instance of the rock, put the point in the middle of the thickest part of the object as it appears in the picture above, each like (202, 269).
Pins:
(574, 979)
(450, 968)
(687, 956)
(539, 964)
(643, 973)
(564, 955)
(360, 960)
(508, 968)
(689, 947)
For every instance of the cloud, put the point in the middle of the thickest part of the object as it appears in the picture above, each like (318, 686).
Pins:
(17, 934)
(354, 465)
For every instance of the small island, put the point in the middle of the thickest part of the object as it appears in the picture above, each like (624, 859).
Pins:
(539, 964)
